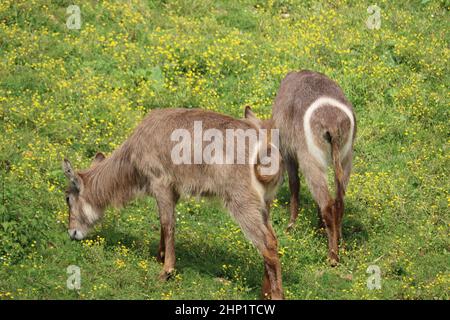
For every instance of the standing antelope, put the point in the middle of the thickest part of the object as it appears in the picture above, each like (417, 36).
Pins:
(317, 128)
(144, 164)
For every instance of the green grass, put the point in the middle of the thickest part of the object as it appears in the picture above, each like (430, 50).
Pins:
(75, 92)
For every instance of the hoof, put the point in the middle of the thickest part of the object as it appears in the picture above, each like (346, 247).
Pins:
(268, 296)
(277, 297)
(265, 295)
(333, 258)
(166, 275)
(334, 261)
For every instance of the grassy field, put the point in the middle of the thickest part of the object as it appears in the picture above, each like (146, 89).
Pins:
(66, 92)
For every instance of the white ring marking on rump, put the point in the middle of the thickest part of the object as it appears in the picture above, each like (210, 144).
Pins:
(316, 152)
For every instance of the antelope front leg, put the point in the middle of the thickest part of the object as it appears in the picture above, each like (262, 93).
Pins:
(166, 207)
(161, 248)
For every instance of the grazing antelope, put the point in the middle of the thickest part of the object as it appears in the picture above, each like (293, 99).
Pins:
(317, 128)
(144, 165)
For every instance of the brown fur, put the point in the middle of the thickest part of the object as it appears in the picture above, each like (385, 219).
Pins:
(330, 128)
(143, 165)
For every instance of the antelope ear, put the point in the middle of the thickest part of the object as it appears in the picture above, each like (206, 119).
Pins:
(99, 157)
(249, 115)
(74, 179)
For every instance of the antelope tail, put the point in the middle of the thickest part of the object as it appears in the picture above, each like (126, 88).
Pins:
(338, 172)
(263, 175)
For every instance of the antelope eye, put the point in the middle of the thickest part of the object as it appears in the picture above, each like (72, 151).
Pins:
(67, 200)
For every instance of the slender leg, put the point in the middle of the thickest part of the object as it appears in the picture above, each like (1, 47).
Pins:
(332, 226)
(319, 215)
(316, 177)
(272, 267)
(294, 188)
(162, 247)
(266, 289)
(347, 167)
(260, 232)
(166, 206)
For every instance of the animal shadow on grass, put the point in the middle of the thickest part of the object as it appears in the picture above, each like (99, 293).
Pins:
(208, 259)
(353, 231)
(113, 236)
(205, 258)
